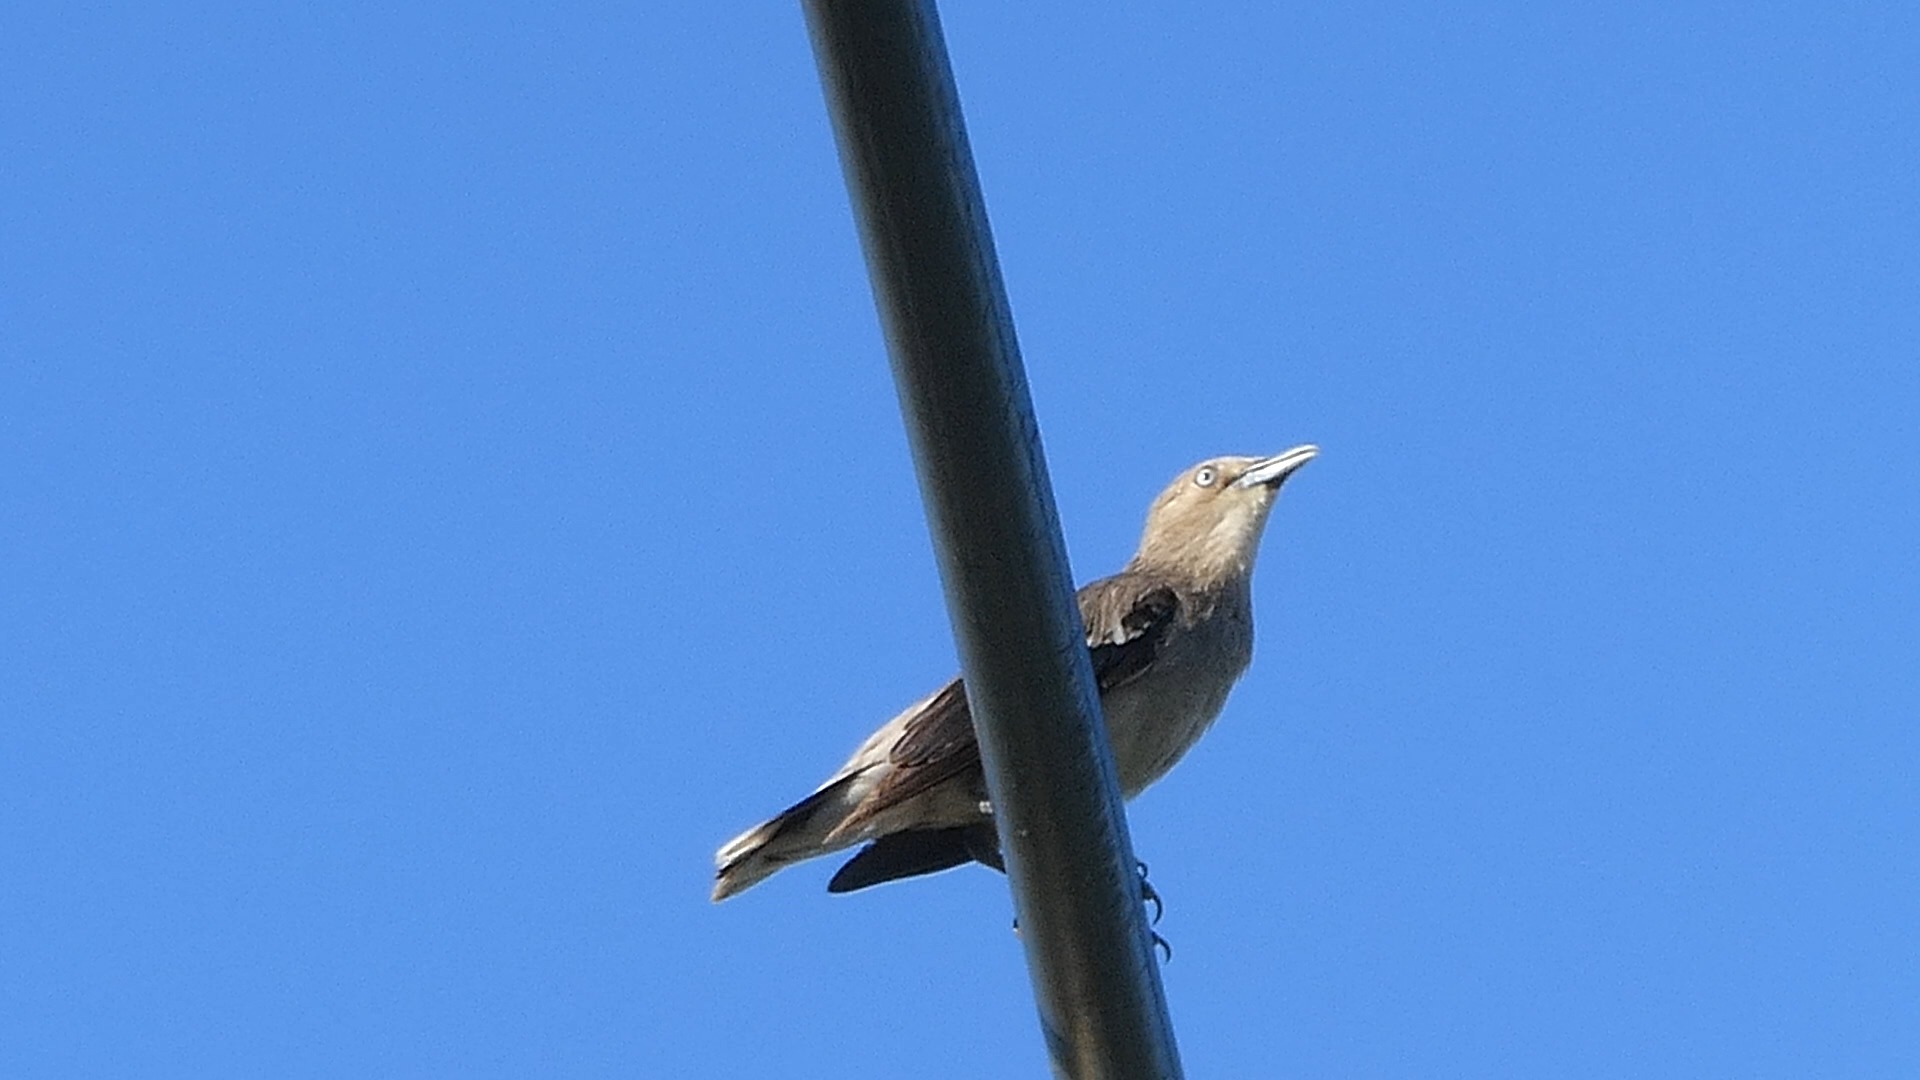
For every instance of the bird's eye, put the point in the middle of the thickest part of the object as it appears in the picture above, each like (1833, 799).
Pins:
(1204, 476)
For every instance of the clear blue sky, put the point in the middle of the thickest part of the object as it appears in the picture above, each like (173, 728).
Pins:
(450, 481)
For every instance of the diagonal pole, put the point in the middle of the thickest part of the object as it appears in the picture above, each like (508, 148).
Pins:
(996, 535)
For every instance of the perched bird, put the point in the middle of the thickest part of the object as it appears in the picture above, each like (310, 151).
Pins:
(1169, 635)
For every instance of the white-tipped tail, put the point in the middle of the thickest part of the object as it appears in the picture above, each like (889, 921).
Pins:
(796, 834)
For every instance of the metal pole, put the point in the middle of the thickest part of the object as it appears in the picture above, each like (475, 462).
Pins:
(983, 478)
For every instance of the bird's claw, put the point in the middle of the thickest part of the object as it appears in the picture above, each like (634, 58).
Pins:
(1149, 895)
(1160, 943)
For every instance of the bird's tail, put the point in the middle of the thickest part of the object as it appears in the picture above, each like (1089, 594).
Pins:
(795, 834)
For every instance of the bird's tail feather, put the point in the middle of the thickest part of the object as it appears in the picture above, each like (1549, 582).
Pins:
(793, 835)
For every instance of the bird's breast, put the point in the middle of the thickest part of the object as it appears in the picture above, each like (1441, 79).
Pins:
(1156, 718)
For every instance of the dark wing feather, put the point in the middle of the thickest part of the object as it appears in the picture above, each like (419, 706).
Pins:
(936, 746)
(1126, 621)
(942, 730)
(1126, 616)
(916, 852)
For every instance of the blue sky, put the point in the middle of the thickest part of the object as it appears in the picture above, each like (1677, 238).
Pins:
(450, 481)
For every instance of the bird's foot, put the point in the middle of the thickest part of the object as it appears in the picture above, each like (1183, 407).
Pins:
(1160, 943)
(1150, 895)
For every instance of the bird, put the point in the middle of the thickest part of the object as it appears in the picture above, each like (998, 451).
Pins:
(1168, 637)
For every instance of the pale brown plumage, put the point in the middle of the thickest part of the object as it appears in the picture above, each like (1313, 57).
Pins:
(1168, 636)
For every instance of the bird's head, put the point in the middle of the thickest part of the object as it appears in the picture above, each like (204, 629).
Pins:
(1207, 524)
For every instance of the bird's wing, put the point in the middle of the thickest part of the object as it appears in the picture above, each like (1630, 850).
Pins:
(1127, 618)
(918, 851)
(941, 732)
(934, 746)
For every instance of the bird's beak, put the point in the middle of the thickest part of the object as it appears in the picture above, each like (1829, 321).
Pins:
(1271, 471)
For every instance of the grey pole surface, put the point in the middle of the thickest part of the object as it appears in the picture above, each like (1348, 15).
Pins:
(996, 536)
